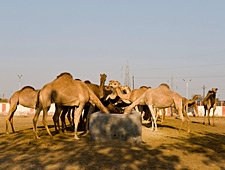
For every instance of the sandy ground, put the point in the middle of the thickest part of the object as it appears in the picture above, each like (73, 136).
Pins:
(203, 148)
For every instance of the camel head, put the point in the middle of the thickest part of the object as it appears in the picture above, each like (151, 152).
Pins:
(125, 88)
(114, 84)
(103, 77)
(214, 90)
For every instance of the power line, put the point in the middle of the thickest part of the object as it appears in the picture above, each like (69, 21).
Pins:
(180, 77)
(165, 68)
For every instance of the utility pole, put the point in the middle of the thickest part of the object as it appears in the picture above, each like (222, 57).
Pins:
(127, 75)
(19, 76)
(203, 87)
(133, 81)
(187, 84)
(171, 82)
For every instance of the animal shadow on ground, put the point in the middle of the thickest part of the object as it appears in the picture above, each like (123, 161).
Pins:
(149, 125)
(21, 151)
(211, 145)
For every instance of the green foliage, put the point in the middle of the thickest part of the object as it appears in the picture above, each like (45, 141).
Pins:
(3, 100)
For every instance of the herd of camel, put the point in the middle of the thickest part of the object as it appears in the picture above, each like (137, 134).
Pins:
(84, 98)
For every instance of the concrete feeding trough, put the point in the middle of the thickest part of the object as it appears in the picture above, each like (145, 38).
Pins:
(127, 127)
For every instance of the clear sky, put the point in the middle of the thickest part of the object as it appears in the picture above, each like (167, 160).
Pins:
(183, 39)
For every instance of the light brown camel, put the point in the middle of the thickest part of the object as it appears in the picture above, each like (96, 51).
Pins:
(65, 91)
(190, 103)
(125, 88)
(100, 91)
(128, 97)
(26, 97)
(160, 97)
(131, 96)
(210, 102)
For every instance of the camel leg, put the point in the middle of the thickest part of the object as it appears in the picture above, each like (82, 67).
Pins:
(35, 119)
(10, 118)
(163, 115)
(56, 119)
(153, 112)
(154, 118)
(77, 118)
(214, 109)
(182, 120)
(44, 120)
(69, 116)
(63, 120)
(73, 123)
(188, 121)
(196, 110)
(208, 116)
(204, 116)
(90, 110)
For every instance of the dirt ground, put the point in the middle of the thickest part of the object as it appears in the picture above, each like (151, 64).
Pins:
(203, 148)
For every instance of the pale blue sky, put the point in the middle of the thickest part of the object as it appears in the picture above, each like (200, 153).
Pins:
(163, 38)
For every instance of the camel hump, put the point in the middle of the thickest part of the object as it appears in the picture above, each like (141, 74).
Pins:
(65, 74)
(87, 81)
(145, 87)
(164, 85)
(27, 87)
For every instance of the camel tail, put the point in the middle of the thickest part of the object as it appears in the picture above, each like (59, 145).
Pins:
(94, 99)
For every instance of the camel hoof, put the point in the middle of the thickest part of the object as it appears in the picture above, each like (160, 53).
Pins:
(7, 132)
(37, 137)
(76, 137)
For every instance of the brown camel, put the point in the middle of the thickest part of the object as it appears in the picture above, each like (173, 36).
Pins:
(161, 97)
(210, 102)
(100, 91)
(130, 96)
(126, 89)
(26, 97)
(65, 91)
(189, 103)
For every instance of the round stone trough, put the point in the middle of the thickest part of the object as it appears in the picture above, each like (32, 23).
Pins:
(127, 127)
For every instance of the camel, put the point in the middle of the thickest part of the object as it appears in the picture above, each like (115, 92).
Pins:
(100, 91)
(129, 96)
(161, 97)
(26, 97)
(125, 88)
(65, 91)
(189, 103)
(210, 102)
